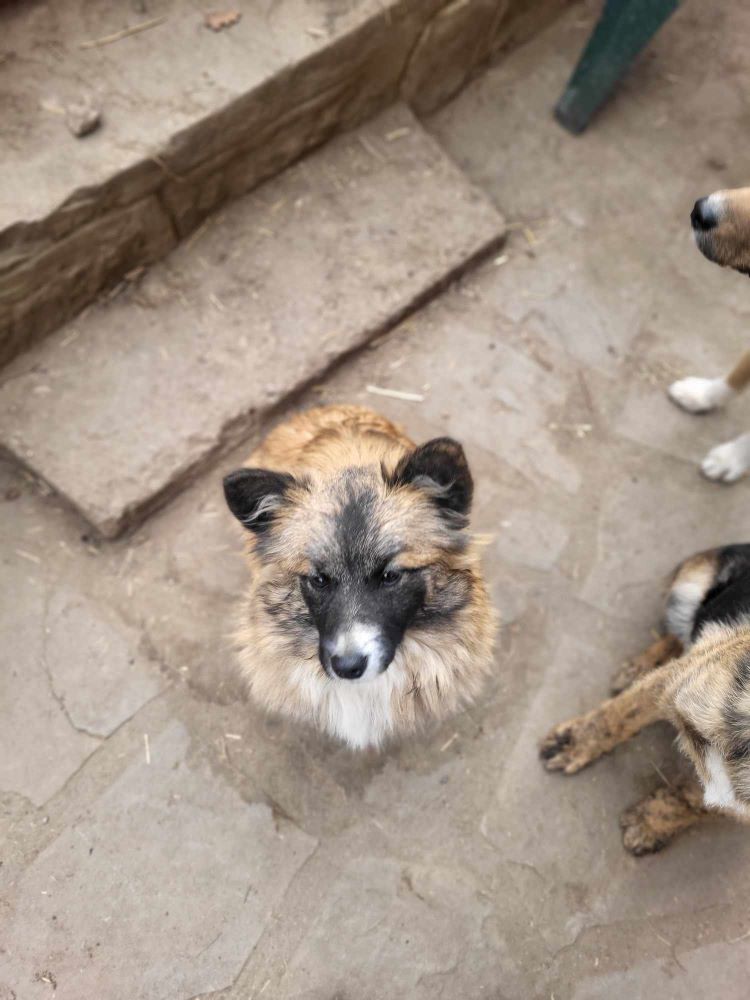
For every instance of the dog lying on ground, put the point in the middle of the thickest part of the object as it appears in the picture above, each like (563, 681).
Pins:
(367, 613)
(721, 226)
(697, 676)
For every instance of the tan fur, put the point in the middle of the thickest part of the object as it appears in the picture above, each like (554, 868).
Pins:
(739, 376)
(699, 690)
(433, 671)
(331, 437)
(652, 823)
(661, 651)
(577, 743)
(728, 243)
(703, 693)
(700, 568)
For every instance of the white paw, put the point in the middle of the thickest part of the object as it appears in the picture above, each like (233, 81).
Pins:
(699, 395)
(728, 462)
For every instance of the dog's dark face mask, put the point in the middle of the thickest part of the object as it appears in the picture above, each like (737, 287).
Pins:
(367, 545)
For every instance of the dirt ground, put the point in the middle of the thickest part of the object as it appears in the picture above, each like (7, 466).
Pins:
(164, 841)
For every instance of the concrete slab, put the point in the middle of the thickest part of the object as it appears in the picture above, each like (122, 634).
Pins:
(158, 892)
(143, 107)
(396, 913)
(713, 968)
(39, 748)
(97, 667)
(227, 113)
(120, 407)
(73, 670)
(191, 118)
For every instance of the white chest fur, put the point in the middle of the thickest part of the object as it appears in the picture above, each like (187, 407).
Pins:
(719, 793)
(358, 713)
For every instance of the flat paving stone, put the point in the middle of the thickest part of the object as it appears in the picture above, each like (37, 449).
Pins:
(158, 892)
(72, 670)
(119, 407)
(397, 914)
(95, 665)
(39, 748)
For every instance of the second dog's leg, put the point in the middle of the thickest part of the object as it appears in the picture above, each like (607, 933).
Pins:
(701, 395)
(582, 740)
(666, 648)
(656, 820)
(739, 377)
(728, 462)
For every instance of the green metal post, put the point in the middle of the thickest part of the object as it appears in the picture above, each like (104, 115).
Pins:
(625, 27)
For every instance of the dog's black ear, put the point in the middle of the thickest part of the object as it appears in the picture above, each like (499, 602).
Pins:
(439, 467)
(254, 496)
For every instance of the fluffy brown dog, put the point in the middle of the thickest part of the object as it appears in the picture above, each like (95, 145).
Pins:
(366, 613)
(698, 678)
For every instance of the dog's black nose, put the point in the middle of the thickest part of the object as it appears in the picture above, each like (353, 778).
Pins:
(349, 668)
(703, 216)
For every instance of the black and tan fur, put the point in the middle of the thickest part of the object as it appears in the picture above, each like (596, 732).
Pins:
(697, 676)
(356, 533)
(721, 227)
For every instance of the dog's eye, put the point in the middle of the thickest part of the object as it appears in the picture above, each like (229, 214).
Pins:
(391, 577)
(319, 580)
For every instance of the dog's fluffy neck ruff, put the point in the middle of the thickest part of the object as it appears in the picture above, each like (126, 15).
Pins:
(360, 715)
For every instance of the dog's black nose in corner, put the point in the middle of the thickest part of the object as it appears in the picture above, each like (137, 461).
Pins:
(703, 216)
(349, 668)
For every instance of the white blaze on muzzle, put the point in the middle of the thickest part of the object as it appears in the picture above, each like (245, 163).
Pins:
(360, 640)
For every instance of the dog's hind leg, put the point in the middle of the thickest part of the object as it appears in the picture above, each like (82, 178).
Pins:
(580, 741)
(655, 821)
(701, 395)
(664, 649)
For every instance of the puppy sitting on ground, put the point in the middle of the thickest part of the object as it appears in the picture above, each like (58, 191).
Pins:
(367, 613)
(698, 678)
(721, 227)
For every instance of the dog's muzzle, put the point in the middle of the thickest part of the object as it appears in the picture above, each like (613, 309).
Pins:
(354, 653)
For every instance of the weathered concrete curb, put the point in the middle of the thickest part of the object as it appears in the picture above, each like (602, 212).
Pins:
(116, 410)
(54, 265)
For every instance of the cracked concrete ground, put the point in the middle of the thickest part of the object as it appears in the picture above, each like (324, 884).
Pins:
(161, 839)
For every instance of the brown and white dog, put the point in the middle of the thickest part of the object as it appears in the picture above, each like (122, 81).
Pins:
(721, 226)
(697, 676)
(366, 613)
